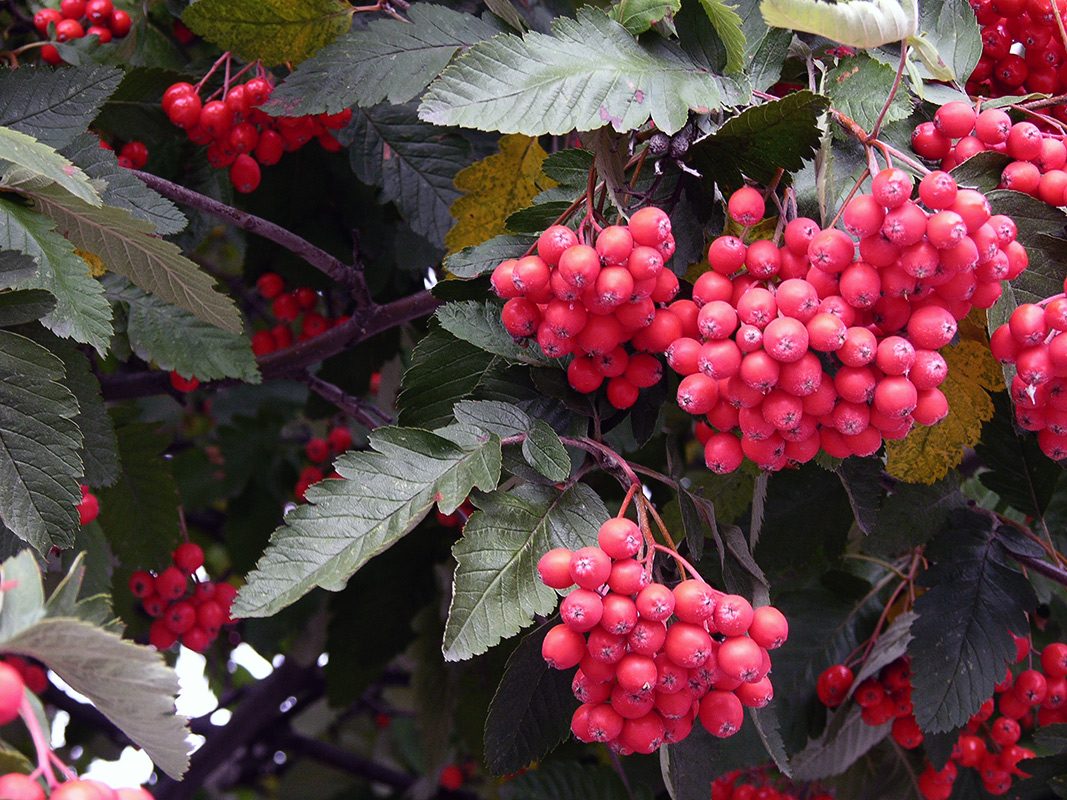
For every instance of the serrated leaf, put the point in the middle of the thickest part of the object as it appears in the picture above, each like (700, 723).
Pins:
(762, 139)
(975, 599)
(1041, 229)
(534, 219)
(173, 339)
(139, 513)
(494, 188)
(273, 31)
(728, 25)
(531, 710)
(24, 305)
(470, 262)
(765, 721)
(898, 528)
(383, 494)
(127, 246)
(861, 478)
(39, 444)
(392, 60)
(496, 590)
(981, 171)
(927, 454)
(892, 644)
(566, 780)
(41, 161)
(131, 685)
(54, 106)
(22, 603)
(81, 313)
(545, 452)
(858, 87)
(859, 23)
(443, 371)
(414, 163)
(480, 324)
(839, 748)
(123, 189)
(637, 16)
(952, 34)
(513, 84)
(503, 419)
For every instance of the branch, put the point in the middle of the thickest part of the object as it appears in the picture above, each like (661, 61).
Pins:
(365, 414)
(351, 277)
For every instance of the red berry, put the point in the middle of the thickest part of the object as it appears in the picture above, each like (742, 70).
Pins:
(451, 777)
(98, 12)
(197, 639)
(183, 384)
(746, 206)
(72, 9)
(20, 787)
(244, 173)
(833, 684)
(44, 17)
(188, 557)
(89, 507)
(12, 689)
(171, 583)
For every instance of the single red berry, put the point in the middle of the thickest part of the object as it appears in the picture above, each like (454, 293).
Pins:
(244, 173)
(142, 584)
(171, 583)
(180, 616)
(258, 90)
(89, 507)
(197, 639)
(317, 449)
(20, 787)
(270, 285)
(285, 307)
(183, 384)
(120, 23)
(188, 557)
(746, 206)
(98, 12)
(339, 440)
(451, 777)
(182, 33)
(833, 684)
(68, 29)
(210, 617)
(72, 9)
(12, 688)
(43, 18)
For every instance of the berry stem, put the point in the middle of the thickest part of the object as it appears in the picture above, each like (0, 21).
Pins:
(223, 59)
(892, 92)
(681, 560)
(367, 415)
(626, 501)
(40, 742)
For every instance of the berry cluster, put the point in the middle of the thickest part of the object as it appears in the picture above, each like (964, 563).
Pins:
(651, 659)
(591, 300)
(132, 155)
(808, 347)
(320, 451)
(33, 675)
(458, 518)
(1021, 50)
(89, 507)
(240, 136)
(76, 19)
(761, 784)
(16, 786)
(885, 697)
(183, 608)
(287, 307)
(1033, 339)
(957, 133)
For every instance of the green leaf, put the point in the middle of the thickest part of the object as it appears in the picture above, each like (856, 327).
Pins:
(480, 324)
(36, 160)
(414, 163)
(981, 171)
(858, 87)
(861, 478)
(39, 444)
(975, 598)
(765, 720)
(139, 513)
(951, 31)
(24, 305)
(1041, 228)
(384, 493)
(637, 16)
(898, 528)
(891, 645)
(531, 711)
(82, 312)
(843, 743)
(391, 60)
(173, 339)
(443, 371)
(471, 262)
(123, 189)
(859, 23)
(54, 106)
(127, 246)
(514, 84)
(496, 590)
(566, 780)
(492, 416)
(762, 139)
(131, 685)
(545, 452)
(273, 31)
(23, 598)
(728, 25)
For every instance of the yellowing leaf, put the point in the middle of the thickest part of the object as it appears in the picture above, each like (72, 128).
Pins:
(495, 188)
(96, 266)
(927, 454)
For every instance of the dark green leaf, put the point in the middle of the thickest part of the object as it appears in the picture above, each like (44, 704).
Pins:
(891, 645)
(765, 48)
(637, 16)
(858, 87)
(1041, 228)
(1052, 737)
(899, 528)
(174, 339)
(54, 106)
(382, 495)
(39, 444)
(25, 305)
(952, 30)
(975, 598)
(531, 710)
(861, 478)
(765, 721)
(135, 104)
(534, 219)
(981, 171)
(761, 140)
(480, 324)
(730, 28)
(545, 452)
(414, 163)
(839, 748)
(513, 85)
(496, 590)
(491, 416)
(566, 780)
(392, 60)
(471, 262)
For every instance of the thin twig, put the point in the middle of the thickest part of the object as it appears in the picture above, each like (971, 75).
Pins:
(892, 92)
(365, 414)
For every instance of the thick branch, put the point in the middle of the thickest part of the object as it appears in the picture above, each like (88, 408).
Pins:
(351, 277)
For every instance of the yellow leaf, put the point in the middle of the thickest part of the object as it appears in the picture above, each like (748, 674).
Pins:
(96, 266)
(496, 187)
(927, 454)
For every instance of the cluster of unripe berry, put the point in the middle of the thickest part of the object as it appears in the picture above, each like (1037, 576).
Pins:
(1034, 341)
(651, 659)
(592, 300)
(762, 784)
(287, 307)
(183, 609)
(1022, 51)
(957, 132)
(319, 452)
(240, 136)
(77, 18)
(810, 346)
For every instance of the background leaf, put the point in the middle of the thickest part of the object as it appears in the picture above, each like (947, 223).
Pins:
(728, 25)
(274, 31)
(637, 16)
(839, 748)
(860, 23)
(471, 262)
(54, 106)
(858, 86)
(953, 33)
(566, 780)
(479, 324)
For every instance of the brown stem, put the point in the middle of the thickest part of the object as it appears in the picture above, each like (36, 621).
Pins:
(366, 415)
(892, 92)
